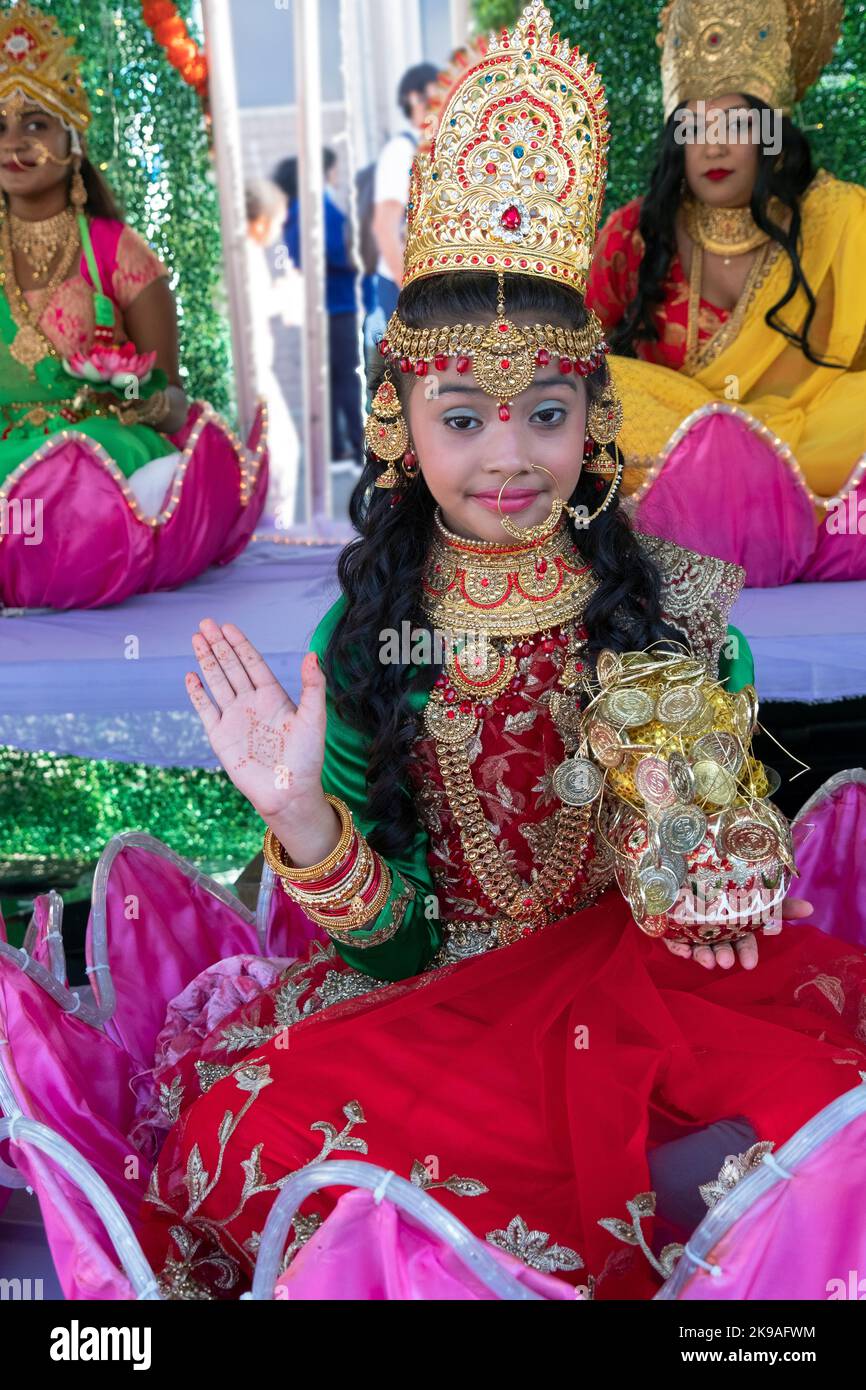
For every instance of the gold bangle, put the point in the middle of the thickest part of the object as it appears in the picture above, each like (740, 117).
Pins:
(342, 892)
(384, 933)
(275, 854)
(359, 915)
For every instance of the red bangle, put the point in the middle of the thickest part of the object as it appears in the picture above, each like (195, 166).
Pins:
(320, 885)
(366, 895)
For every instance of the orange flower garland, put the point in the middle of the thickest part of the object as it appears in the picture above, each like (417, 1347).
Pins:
(169, 29)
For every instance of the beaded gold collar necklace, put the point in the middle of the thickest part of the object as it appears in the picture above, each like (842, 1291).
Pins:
(510, 590)
(722, 231)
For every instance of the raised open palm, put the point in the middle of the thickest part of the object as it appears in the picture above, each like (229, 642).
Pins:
(272, 749)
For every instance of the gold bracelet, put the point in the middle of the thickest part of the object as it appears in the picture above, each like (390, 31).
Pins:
(359, 915)
(384, 933)
(334, 897)
(275, 853)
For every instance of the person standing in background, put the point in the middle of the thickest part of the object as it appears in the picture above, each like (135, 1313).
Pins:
(266, 212)
(341, 274)
(394, 166)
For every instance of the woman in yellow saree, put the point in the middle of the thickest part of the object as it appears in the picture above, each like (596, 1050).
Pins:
(734, 299)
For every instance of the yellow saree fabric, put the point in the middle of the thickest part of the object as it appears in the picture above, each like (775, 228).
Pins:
(819, 413)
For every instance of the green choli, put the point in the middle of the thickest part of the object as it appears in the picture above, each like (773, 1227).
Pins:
(344, 775)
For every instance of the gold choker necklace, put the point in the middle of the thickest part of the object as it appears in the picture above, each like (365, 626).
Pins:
(722, 231)
(40, 241)
(510, 590)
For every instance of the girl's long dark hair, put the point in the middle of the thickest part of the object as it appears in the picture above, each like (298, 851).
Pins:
(785, 176)
(380, 572)
(101, 200)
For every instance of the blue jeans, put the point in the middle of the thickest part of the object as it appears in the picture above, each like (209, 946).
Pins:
(677, 1169)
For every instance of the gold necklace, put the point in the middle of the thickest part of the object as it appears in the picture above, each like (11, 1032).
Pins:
(510, 590)
(30, 345)
(482, 588)
(39, 242)
(723, 232)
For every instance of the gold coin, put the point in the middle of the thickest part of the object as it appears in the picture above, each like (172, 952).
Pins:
(747, 836)
(653, 782)
(719, 747)
(577, 781)
(745, 712)
(628, 708)
(681, 775)
(650, 925)
(713, 783)
(659, 887)
(682, 829)
(607, 666)
(605, 743)
(679, 704)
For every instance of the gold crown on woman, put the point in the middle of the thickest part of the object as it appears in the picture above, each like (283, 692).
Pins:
(38, 63)
(513, 176)
(770, 49)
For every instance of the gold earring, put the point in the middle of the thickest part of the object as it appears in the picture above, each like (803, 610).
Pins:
(77, 190)
(385, 431)
(606, 467)
(604, 417)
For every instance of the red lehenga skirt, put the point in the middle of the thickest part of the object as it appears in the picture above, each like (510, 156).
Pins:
(539, 1073)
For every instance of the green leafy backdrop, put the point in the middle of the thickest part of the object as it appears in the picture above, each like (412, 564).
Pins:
(150, 139)
(620, 36)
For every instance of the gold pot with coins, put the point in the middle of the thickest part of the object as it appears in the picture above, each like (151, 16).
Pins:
(701, 852)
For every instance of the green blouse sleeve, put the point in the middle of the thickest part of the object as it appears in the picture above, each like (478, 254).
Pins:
(736, 663)
(410, 949)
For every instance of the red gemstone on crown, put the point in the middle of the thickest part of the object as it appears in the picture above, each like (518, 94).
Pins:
(542, 357)
(463, 364)
(490, 168)
(504, 413)
(511, 219)
(506, 363)
(440, 362)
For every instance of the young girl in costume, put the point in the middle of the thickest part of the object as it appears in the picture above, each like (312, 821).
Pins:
(733, 297)
(479, 1008)
(89, 370)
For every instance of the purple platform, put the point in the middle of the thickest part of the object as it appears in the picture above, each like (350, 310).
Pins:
(109, 683)
(24, 1252)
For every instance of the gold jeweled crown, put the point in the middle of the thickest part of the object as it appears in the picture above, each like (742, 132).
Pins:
(513, 178)
(38, 62)
(770, 49)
